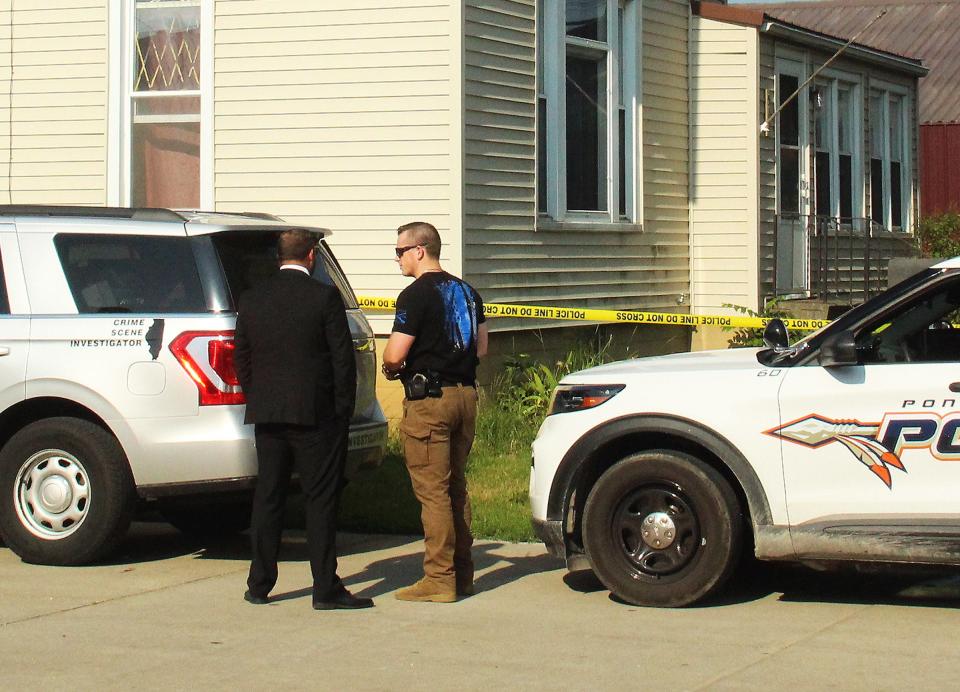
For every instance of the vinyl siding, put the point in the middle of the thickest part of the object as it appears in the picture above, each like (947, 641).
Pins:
(664, 250)
(345, 115)
(513, 257)
(53, 116)
(723, 182)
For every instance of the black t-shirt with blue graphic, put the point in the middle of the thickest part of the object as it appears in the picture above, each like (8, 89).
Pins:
(443, 313)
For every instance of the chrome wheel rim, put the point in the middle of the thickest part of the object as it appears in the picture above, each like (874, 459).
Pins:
(52, 494)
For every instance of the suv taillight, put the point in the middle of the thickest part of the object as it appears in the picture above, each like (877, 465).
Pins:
(208, 359)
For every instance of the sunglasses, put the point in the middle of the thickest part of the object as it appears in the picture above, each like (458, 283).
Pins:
(401, 250)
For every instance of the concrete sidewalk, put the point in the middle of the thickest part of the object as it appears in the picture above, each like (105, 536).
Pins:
(167, 613)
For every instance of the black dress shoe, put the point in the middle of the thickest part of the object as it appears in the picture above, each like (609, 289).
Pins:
(343, 600)
(256, 600)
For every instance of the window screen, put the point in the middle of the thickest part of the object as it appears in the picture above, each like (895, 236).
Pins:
(129, 273)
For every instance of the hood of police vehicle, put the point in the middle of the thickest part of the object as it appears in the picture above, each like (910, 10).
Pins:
(697, 362)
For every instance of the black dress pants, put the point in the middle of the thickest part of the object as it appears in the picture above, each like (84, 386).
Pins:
(319, 454)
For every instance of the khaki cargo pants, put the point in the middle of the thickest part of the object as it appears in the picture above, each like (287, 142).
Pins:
(437, 436)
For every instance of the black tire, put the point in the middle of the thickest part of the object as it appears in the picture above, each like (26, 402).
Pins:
(652, 492)
(208, 519)
(66, 492)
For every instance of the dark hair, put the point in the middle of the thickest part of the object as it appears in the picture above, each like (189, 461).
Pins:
(425, 234)
(296, 244)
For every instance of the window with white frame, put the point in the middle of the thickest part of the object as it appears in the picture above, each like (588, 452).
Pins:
(164, 134)
(789, 145)
(587, 90)
(889, 165)
(839, 177)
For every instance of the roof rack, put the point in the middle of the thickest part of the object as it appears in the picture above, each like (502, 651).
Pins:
(134, 213)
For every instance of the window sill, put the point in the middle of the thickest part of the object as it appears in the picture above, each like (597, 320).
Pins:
(548, 224)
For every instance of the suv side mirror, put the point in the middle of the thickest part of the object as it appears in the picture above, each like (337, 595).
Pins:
(775, 334)
(839, 349)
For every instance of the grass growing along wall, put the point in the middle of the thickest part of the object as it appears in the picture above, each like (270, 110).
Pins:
(498, 470)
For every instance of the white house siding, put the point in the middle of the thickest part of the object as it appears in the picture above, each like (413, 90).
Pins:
(723, 166)
(346, 114)
(53, 102)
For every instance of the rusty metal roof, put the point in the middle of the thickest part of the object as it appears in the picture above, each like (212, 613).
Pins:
(928, 30)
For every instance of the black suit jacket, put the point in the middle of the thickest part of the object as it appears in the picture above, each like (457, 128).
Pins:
(294, 353)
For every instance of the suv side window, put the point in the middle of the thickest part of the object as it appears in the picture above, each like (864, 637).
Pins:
(130, 273)
(249, 257)
(923, 330)
(4, 299)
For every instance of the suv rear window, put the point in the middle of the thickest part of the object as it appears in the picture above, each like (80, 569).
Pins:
(130, 273)
(249, 257)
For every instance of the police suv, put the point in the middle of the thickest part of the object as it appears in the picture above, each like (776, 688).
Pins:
(842, 448)
(117, 381)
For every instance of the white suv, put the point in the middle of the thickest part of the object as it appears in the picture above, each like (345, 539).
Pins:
(843, 448)
(116, 372)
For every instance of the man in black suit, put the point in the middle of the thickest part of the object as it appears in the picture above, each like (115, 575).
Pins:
(294, 358)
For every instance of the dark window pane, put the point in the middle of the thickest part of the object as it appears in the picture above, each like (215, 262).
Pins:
(250, 257)
(876, 191)
(587, 19)
(789, 116)
(822, 200)
(142, 274)
(846, 186)
(542, 155)
(789, 187)
(622, 156)
(586, 134)
(896, 205)
(4, 300)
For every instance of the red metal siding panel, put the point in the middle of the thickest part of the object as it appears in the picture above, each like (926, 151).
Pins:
(939, 168)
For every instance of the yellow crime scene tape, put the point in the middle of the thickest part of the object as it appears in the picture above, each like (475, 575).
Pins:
(627, 316)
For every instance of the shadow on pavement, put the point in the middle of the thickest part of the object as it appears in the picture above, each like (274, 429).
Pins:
(392, 573)
(756, 580)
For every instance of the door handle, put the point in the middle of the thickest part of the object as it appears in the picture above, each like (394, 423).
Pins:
(4, 351)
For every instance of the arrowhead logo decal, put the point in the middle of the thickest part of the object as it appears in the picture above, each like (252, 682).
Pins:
(865, 441)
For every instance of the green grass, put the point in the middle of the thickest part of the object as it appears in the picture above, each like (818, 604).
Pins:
(498, 472)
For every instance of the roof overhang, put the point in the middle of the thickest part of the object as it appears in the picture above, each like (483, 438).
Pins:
(764, 23)
(857, 51)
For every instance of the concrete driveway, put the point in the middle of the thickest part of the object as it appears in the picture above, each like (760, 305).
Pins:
(167, 613)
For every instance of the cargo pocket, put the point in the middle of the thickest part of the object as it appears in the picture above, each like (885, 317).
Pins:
(416, 437)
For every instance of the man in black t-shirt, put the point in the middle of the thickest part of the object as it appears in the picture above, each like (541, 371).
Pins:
(438, 337)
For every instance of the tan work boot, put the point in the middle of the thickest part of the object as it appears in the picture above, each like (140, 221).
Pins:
(426, 591)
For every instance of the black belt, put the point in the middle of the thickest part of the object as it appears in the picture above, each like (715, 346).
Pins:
(456, 383)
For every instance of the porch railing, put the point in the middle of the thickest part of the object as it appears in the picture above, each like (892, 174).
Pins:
(835, 259)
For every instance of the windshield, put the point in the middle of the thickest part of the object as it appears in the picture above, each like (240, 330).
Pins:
(847, 320)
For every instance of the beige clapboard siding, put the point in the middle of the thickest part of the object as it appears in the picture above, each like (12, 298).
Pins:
(666, 139)
(53, 115)
(343, 114)
(723, 202)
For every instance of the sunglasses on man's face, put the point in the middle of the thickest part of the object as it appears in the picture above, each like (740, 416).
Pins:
(401, 250)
